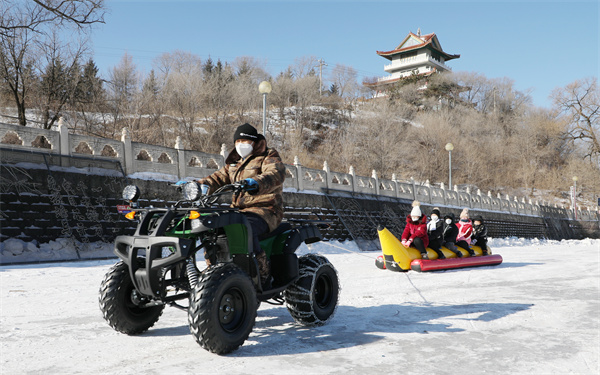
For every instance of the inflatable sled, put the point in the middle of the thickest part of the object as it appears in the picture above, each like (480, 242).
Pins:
(398, 258)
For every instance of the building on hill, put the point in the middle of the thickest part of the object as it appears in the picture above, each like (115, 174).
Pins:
(417, 54)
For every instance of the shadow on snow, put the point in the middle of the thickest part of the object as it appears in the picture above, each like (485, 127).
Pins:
(275, 333)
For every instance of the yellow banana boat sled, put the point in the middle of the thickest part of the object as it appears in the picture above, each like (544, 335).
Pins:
(398, 258)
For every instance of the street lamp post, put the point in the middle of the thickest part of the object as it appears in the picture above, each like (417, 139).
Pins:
(449, 148)
(575, 195)
(264, 88)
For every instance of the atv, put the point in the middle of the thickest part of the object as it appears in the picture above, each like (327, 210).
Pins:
(159, 266)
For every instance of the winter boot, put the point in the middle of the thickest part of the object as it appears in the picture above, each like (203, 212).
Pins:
(440, 254)
(207, 259)
(484, 250)
(452, 247)
(424, 256)
(264, 268)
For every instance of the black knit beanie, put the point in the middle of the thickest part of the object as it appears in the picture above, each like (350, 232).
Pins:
(436, 212)
(246, 131)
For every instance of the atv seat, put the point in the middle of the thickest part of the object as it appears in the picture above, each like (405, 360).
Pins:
(280, 229)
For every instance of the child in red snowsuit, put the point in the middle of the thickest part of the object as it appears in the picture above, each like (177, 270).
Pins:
(415, 231)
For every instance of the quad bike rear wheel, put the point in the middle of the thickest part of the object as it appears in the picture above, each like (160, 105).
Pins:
(122, 306)
(313, 298)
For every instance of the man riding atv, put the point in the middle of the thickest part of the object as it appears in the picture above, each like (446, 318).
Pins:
(263, 173)
(157, 264)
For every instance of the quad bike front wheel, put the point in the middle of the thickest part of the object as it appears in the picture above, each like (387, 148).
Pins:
(313, 298)
(222, 308)
(121, 304)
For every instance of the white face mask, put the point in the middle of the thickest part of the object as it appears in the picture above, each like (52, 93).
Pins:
(244, 149)
(415, 218)
(448, 221)
(434, 218)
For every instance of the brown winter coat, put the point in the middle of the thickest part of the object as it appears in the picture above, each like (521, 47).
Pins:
(265, 166)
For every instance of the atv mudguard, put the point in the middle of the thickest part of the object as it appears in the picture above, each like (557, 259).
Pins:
(280, 245)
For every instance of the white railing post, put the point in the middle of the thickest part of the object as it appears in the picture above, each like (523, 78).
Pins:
(327, 171)
(353, 174)
(181, 163)
(374, 177)
(128, 150)
(63, 136)
(299, 174)
(63, 132)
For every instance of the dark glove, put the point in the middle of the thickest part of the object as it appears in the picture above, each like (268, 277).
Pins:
(251, 186)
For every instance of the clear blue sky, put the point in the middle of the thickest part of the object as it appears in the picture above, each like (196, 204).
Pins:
(538, 44)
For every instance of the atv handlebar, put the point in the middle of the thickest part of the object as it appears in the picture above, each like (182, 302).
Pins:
(192, 193)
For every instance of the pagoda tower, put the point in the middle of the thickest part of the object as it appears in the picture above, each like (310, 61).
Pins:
(416, 55)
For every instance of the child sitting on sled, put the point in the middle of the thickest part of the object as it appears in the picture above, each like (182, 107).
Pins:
(465, 230)
(450, 233)
(435, 231)
(415, 231)
(479, 237)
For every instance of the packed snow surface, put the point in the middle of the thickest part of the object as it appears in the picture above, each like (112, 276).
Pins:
(536, 313)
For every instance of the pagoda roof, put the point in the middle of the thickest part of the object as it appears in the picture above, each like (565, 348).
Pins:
(414, 42)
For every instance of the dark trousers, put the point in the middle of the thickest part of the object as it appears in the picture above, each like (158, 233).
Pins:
(419, 245)
(464, 244)
(259, 226)
(435, 244)
(482, 243)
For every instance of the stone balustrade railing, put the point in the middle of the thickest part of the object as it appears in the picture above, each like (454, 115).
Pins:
(180, 163)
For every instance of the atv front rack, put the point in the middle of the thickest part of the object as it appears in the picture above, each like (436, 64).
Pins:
(158, 253)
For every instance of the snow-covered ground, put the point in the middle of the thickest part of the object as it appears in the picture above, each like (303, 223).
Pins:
(536, 313)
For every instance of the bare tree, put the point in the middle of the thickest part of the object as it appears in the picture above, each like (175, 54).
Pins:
(580, 103)
(60, 77)
(181, 77)
(14, 15)
(23, 25)
(344, 77)
(122, 88)
(304, 66)
(249, 72)
(17, 68)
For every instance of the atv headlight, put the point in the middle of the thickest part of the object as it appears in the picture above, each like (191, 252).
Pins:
(131, 193)
(191, 191)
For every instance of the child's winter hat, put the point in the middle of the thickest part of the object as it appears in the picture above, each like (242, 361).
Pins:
(416, 210)
(465, 213)
(436, 211)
